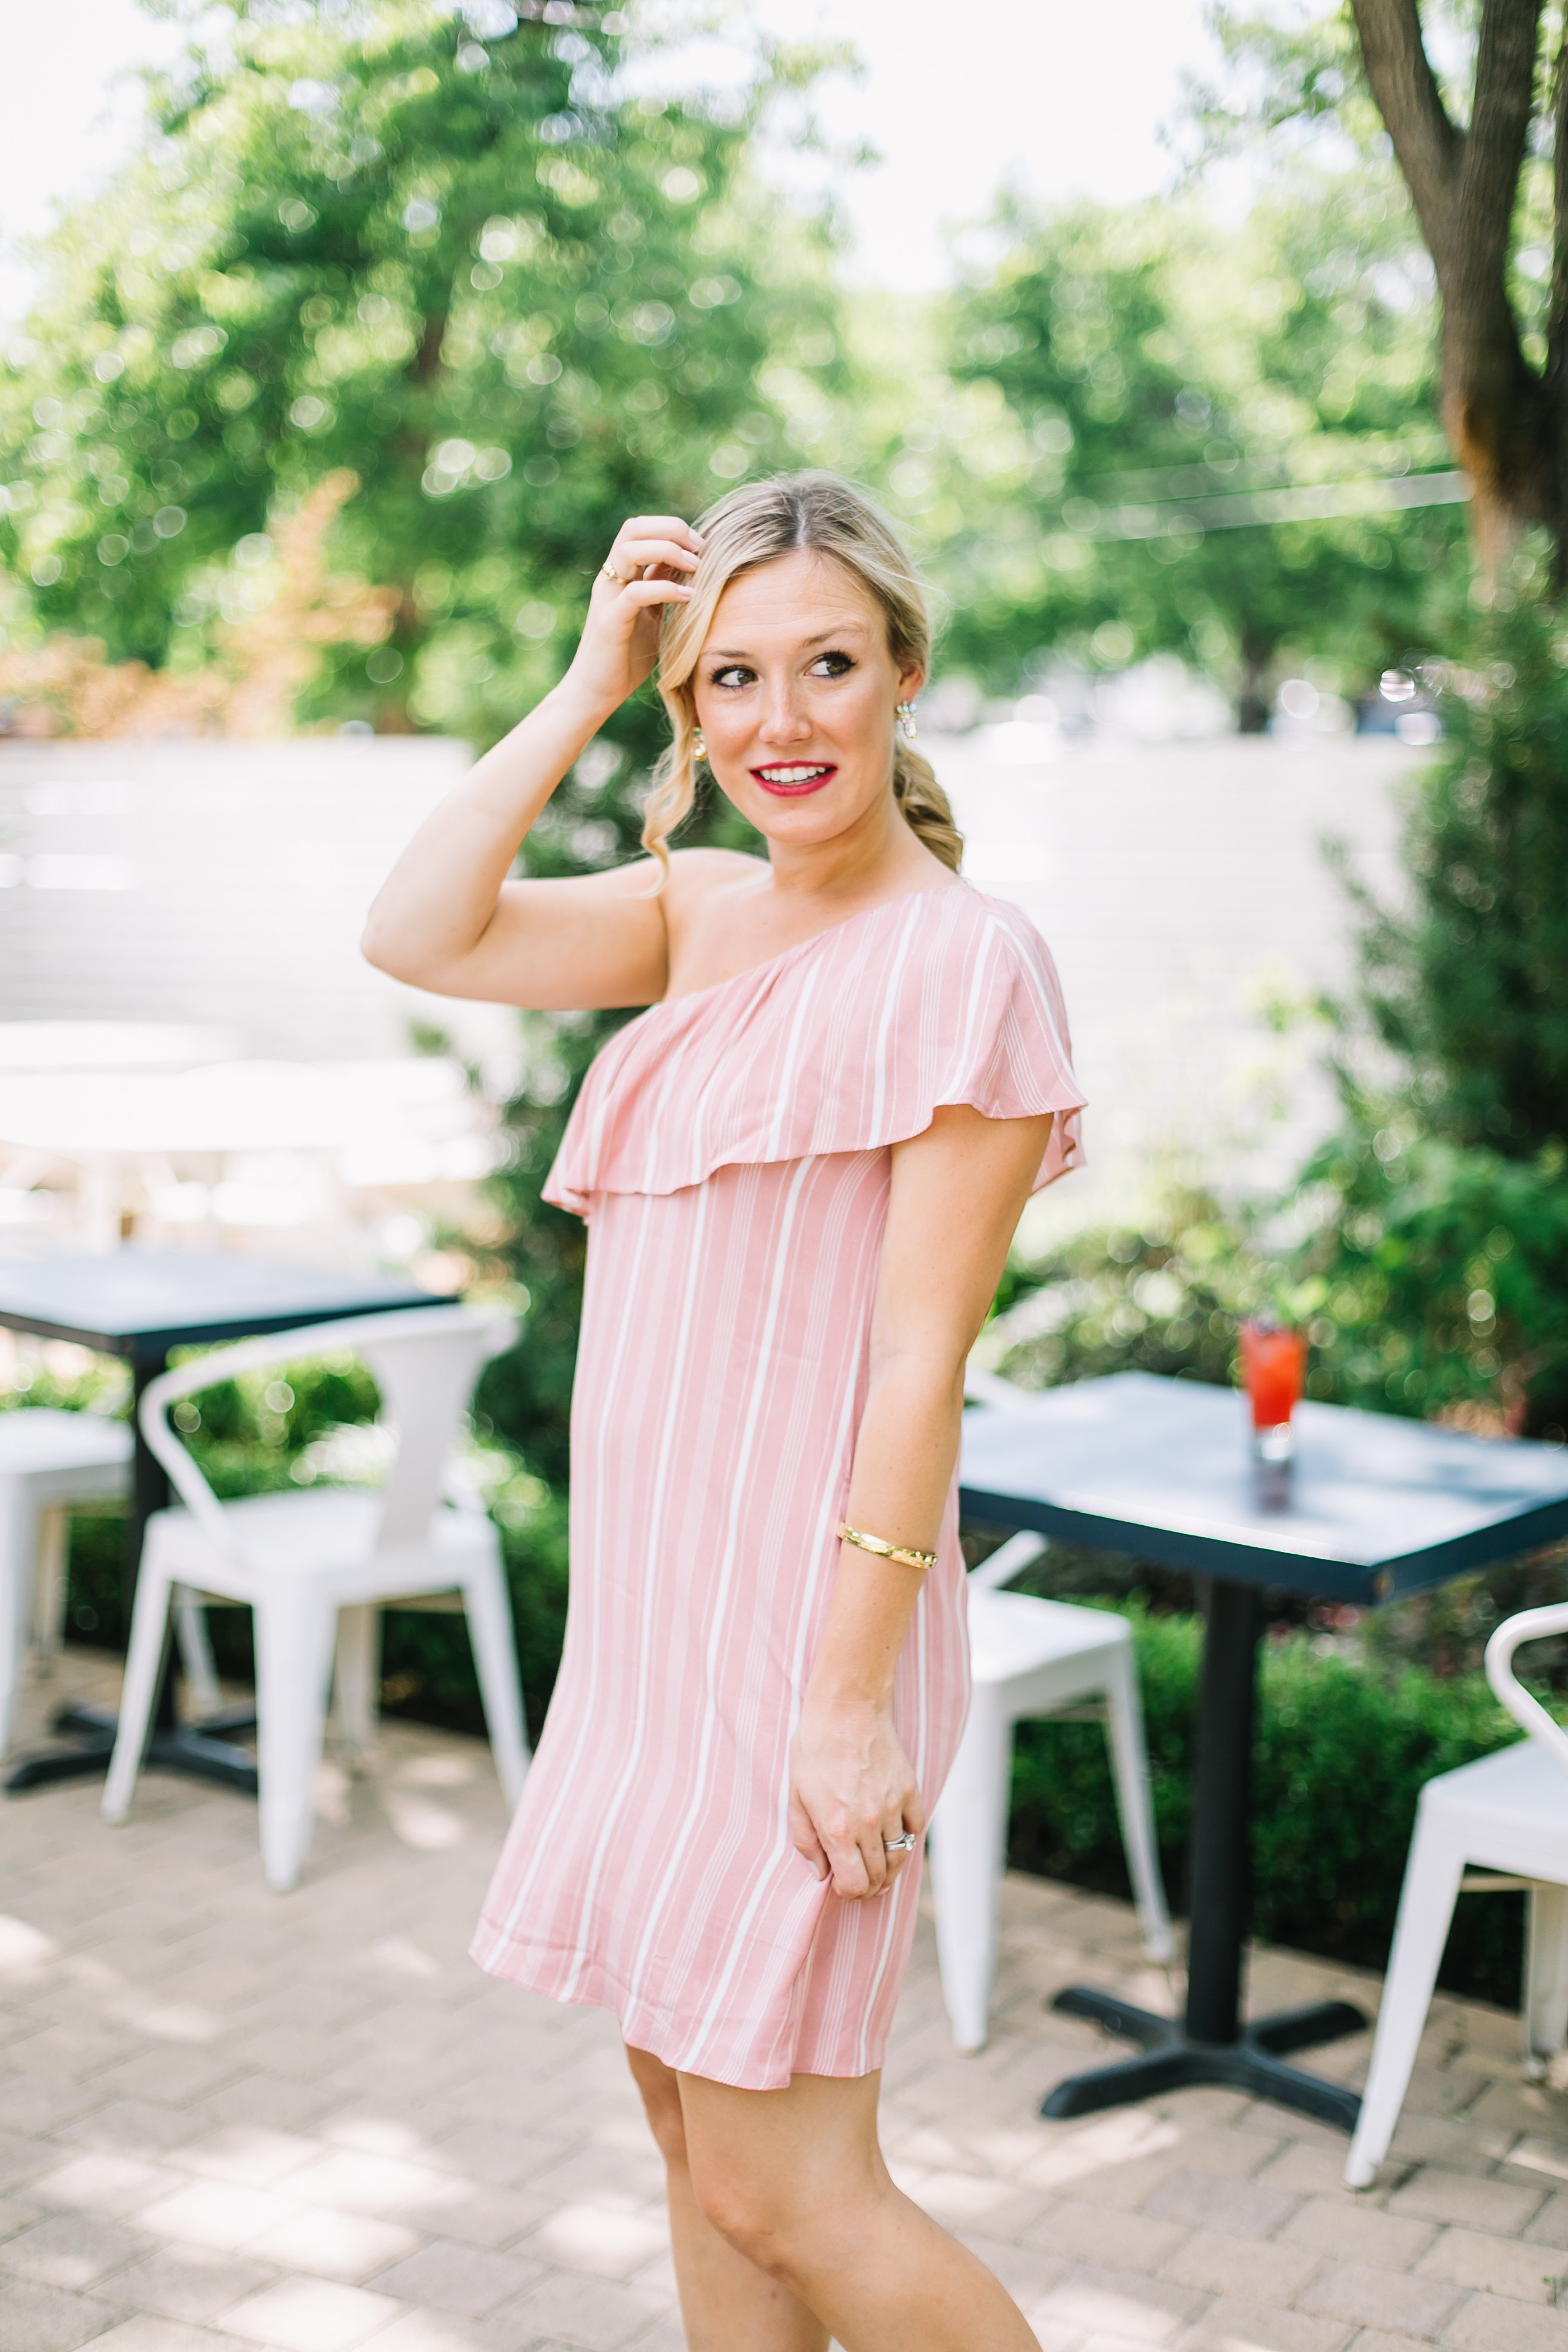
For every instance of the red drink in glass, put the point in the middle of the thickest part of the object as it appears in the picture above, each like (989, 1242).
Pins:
(1273, 1366)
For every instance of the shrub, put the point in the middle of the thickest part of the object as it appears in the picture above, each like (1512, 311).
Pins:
(1340, 1754)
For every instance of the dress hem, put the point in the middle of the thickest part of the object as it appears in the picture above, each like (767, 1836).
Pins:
(648, 2028)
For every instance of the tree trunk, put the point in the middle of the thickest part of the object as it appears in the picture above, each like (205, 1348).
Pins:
(1504, 421)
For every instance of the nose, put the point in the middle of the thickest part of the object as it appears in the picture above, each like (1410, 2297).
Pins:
(783, 720)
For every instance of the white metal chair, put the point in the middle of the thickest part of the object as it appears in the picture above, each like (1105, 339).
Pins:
(315, 1567)
(1029, 1657)
(1509, 1814)
(49, 1461)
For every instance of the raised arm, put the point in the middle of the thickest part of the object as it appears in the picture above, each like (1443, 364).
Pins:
(958, 1190)
(448, 920)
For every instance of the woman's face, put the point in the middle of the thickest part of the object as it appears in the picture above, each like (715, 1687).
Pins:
(796, 692)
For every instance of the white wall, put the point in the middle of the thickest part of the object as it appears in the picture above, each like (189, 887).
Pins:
(1178, 886)
(217, 882)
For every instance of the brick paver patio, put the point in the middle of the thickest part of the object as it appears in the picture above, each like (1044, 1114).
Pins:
(233, 2120)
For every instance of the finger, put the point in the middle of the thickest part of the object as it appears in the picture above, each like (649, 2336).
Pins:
(851, 1871)
(629, 552)
(660, 527)
(638, 593)
(805, 1840)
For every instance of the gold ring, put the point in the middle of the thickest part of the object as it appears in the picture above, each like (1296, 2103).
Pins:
(621, 579)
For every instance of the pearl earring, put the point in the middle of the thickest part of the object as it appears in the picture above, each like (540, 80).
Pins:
(699, 745)
(906, 718)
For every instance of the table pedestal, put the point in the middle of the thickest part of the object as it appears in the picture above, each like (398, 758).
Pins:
(1211, 2044)
(199, 1749)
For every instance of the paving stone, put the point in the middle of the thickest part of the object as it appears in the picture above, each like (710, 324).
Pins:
(1497, 2265)
(70, 2250)
(309, 2314)
(603, 2239)
(1255, 2270)
(597, 2314)
(1077, 2230)
(1241, 2208)
(1357, 2293)
(251, 2154)
(1491, 2205)
(102, 2184)
(1378, 2339)
(1356, 2233)
(143, 2127)
(147, 2334)
(332, 2244)
(43, 2319)
(1095, 2298)
(1236, 2327)
(465, 2279)
(1495, 2323)
(189, 2282)
(213, 2213)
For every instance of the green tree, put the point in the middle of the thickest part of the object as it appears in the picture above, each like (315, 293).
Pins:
(1214, 429)
(517, 305)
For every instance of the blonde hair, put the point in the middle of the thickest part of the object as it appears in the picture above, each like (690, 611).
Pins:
(754, 525)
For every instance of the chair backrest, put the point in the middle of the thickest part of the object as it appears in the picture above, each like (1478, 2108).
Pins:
(1529, 1625)
(424, 1361)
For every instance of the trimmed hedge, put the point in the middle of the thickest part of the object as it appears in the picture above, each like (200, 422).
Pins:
(1340, 1754)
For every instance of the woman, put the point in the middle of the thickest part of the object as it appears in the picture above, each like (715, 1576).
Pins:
(801, 1171)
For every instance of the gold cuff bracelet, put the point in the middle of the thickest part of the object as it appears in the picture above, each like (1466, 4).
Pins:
(901, 1552)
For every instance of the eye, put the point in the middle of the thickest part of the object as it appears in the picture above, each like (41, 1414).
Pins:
(831, 665)
(732, 677)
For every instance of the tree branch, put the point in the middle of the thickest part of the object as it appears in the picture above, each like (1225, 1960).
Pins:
(1429, 149)
(1493, 152)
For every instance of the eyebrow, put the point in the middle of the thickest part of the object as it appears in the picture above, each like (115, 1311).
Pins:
(724, 653)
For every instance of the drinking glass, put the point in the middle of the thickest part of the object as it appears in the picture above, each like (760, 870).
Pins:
(1273, 1368)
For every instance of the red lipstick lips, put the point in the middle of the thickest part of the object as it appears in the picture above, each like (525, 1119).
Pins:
(792, 780)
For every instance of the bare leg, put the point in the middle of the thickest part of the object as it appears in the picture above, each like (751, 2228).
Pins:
(727, 2303)
(794, 2180)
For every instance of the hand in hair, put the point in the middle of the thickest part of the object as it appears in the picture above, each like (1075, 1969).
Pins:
(620, 643)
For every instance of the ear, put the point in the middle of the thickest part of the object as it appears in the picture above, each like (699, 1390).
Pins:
(910, 680)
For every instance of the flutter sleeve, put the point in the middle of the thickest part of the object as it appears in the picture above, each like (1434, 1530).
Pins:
(849, 1043)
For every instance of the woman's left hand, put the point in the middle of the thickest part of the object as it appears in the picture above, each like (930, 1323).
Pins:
(851, 1788)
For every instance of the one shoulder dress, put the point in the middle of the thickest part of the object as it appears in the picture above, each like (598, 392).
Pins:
(729, 1150)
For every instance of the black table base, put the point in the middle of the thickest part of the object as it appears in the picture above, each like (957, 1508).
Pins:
(1171, 2060)
(1211, 2044)
(201, 1750)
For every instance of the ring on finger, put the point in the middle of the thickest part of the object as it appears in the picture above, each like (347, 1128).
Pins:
(903, 1844)
(621, 579)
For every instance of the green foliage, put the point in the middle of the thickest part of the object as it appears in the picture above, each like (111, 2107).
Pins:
(517, 305)
(1471, 986)
(1164, 1297)
(1163, 376)
(1340, 1754)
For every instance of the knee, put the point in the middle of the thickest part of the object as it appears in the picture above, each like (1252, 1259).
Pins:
(779, 2225)
(754, 2224)
(660, 2089)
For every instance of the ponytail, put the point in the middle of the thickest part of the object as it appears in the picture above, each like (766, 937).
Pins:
(926, 807)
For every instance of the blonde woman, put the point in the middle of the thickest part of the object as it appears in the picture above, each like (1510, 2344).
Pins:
(801, 1170)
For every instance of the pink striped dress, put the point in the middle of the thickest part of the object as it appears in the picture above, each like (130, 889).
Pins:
(729, 1151)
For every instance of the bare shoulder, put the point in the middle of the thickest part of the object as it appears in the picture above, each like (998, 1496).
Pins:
(697, 876)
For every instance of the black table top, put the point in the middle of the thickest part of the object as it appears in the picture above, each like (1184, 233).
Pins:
(140, 1303)
(1374, 1505)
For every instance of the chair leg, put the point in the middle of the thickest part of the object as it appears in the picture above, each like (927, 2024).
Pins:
(356, 1682)
(967, 1850)
(196, 1662)
(18, 1550)
(139, 1692)
(1545, 1978)
(494, 1646)
(294, 1633)
(49, 1586)
(1130, 1764)
(1432, 1878)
